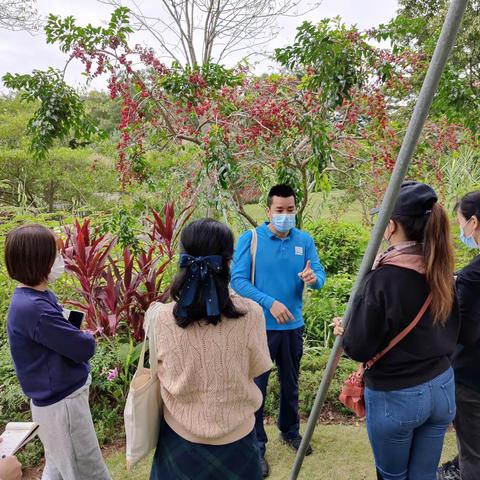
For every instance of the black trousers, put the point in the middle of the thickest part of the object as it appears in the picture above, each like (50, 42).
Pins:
(467, 426)
(286, 350)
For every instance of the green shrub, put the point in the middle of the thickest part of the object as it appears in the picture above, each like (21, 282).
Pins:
(313, 364)
(108, 396)
(311, 371)
(340, 245)
(321, 306)
(13, 404)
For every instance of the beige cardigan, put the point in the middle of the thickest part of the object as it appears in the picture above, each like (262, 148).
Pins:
(206, 374)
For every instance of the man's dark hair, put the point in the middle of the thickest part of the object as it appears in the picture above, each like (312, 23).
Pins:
(281, 190)
(30, 253)
(202, 238)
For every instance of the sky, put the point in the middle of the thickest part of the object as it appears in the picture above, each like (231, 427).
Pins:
(21, 52)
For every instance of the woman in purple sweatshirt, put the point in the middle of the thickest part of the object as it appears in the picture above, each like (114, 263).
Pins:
(51, 358)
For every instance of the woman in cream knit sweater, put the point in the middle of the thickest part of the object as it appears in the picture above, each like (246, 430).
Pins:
(211, 344)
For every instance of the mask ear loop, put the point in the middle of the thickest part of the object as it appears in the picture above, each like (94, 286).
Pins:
(391, 235)
(466, 223)
(475, 229)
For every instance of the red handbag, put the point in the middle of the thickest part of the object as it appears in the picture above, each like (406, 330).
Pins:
(352, 395)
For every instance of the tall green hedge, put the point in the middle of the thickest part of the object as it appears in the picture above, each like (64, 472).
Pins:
(340, 245)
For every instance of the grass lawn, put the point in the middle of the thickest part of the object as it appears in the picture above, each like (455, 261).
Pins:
(341, 452)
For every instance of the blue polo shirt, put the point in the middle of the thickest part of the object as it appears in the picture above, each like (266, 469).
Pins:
(278, 263)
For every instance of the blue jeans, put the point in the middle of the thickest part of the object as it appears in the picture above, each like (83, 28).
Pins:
(407, 427)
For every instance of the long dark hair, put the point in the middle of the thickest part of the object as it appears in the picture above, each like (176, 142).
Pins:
(469, 205)
(433, 230)
(202, 238)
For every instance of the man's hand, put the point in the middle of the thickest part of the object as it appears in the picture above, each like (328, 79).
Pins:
(10, 469)
(281, 313)
(308, 275)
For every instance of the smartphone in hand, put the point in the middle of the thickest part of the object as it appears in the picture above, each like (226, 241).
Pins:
(76, 318)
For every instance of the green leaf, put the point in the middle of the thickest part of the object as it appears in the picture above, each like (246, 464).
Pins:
(60, 110)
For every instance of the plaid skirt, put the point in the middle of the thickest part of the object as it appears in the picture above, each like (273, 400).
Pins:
(178, 459)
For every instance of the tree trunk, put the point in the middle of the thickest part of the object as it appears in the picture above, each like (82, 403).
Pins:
(50, 197)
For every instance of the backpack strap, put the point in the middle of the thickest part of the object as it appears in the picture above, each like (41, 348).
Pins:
(253, 253)
(401, 335)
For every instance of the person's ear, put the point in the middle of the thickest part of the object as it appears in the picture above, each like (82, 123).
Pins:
(389, 231)
(393, 227)
(475, 223)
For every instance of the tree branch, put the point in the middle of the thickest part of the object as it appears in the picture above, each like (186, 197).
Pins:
(228, 26)
(241, 210)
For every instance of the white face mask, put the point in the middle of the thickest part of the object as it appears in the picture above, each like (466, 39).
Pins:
(58, 269)
(283, 222)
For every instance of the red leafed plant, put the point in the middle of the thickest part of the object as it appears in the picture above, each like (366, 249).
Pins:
(87, 257)
(165, 233)
(120, 286)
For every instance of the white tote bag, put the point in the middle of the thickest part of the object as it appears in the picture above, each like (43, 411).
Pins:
(143, 409)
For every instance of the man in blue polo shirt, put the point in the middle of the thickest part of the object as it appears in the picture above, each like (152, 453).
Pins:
(286, 261)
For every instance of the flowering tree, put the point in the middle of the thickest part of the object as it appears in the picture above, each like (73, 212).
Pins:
(417, 27)
(367, 102)
(332, 111)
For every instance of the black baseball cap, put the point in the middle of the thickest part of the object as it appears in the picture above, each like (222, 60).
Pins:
(414, 200)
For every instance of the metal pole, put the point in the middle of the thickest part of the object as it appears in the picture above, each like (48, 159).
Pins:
(415, 126)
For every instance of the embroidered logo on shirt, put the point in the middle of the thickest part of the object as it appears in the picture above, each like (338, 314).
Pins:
(298, 251)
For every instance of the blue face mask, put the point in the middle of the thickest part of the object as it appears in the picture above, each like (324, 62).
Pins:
(467, 241)
(283, 222)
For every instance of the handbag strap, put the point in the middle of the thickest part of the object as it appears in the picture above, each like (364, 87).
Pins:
(253, 253)
(401, 335)
(149, 329)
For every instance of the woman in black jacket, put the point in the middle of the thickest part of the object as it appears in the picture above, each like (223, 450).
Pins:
(410, 392)
(466, 362)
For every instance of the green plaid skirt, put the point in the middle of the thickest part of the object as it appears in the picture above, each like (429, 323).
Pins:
(179, 459)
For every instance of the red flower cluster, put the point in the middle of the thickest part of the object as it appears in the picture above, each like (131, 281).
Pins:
(147, 56)
(259, 117)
